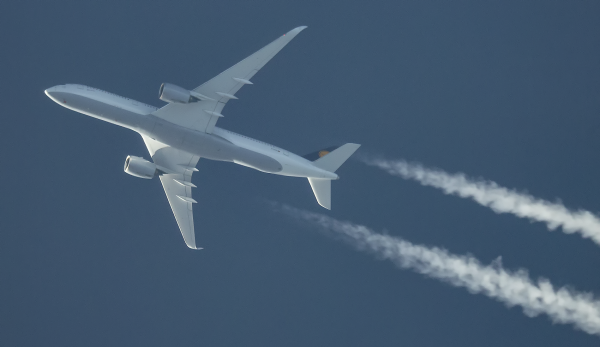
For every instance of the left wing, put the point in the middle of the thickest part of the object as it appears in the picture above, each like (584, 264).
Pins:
(215, 93)
(177, 182)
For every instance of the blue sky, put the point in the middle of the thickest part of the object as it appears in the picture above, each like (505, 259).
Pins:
(504, 90)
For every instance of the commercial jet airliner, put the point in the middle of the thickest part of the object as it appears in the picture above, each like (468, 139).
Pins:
(183, 131)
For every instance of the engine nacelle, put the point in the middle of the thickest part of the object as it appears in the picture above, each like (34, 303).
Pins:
(171, 93)
(139, 167)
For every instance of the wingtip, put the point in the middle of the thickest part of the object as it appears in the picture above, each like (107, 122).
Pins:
(297, 30)
(193, 246)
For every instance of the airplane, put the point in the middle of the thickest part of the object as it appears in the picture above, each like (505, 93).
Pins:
(183, 131)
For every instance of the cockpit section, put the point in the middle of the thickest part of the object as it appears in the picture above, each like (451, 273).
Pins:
(78, 93)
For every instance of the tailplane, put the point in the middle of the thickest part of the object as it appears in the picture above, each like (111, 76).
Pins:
(322, 189)
(330, 161)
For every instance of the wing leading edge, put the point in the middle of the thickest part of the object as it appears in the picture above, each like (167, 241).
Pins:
(177, 183)
(215, 93)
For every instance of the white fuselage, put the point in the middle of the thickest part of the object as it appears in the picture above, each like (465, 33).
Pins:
(220, 145)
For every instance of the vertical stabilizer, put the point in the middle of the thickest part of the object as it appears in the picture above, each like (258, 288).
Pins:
(330, 161)
(322, 189)
(333, 160)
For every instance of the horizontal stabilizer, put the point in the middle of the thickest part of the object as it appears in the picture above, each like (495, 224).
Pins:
(333, 160)
(322, 189)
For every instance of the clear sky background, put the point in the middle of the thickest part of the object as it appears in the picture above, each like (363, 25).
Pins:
(505, 90)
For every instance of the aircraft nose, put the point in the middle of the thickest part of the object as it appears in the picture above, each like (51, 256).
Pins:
(51, 92)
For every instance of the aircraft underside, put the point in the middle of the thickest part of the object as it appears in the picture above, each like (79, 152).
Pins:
(180, 133)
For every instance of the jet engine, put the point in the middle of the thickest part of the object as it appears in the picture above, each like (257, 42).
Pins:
(171, 93)
(139, 167)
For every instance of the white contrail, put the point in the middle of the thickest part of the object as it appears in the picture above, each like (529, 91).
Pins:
(512, 288)
(499, 199)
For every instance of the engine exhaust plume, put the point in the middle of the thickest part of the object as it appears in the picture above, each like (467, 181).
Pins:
(512, 288)
(499, 199)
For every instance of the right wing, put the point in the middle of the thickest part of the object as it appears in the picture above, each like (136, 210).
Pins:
(215, 93)
(178, 166)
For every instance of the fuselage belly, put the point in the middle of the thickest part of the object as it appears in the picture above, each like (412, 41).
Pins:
(221, 144)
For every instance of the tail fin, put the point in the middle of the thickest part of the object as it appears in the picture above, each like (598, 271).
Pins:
(331, 162)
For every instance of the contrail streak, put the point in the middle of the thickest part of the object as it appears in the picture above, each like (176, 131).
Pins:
(499, 199)
(512, 288)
